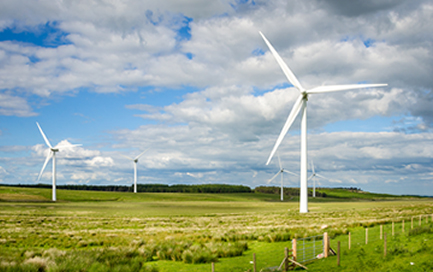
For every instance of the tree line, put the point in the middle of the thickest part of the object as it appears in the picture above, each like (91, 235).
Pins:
(287, 191)
(149, 188)
(204, 188)
(182, 188)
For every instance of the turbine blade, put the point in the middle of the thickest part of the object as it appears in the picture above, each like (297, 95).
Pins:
(322, 176)
(312, 166)
(279, 160)
(129, 158)
(70, 145)
(295, 110)
(276, 175)
(45, 164)
(141, 154)
(289, 74)
(336, 88)
(291, 173)
(43, 135)
(312, 176)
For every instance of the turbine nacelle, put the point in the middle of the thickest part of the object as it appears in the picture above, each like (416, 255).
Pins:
(304, 96)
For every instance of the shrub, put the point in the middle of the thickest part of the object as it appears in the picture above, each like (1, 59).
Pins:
(38, 263)
(225, 250)
(198, 254)
(419, 230)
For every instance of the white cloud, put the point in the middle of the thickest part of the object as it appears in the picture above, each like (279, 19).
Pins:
(225, 129)
(11, 105)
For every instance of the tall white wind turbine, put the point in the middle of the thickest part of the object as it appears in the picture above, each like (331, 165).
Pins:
(301, 105)
(51, 154)
(313, 176)
(135, 167)
(281, 171)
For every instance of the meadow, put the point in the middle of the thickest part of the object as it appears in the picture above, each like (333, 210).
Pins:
(120, 231)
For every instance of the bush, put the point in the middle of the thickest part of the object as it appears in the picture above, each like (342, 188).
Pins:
(226, 250)
(419, 230)
(198, 254)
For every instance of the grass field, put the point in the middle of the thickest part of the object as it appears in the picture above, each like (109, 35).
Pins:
(110, 231)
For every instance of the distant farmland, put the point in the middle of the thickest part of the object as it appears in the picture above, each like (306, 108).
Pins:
(122, 231)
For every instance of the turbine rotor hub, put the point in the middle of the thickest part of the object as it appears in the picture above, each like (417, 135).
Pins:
(305, 96)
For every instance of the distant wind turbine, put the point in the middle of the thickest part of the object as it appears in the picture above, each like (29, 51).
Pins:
(301, 104)
(313, 176)
(281, 171)
(51, 154)
(135, 167)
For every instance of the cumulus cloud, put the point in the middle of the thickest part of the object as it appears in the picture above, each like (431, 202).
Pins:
(237, 98)
(11, 105)
(75, 155)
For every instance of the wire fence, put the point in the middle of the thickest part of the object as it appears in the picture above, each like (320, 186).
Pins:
(375, 230)
(308, 249)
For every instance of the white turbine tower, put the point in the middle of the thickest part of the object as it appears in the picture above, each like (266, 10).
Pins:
(135, 167)
(301, 104)
(281, 171)
(313, 176)
(51, 154)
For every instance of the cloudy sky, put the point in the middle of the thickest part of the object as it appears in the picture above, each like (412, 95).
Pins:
(194, 81)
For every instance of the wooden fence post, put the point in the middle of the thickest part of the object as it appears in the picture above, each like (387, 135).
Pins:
(294, 252)
(384, 246)
(286, 259)
(349, 240)
(402, 226)
(420, 220)
(411, 222)
(381, 229)
(254, 262)
(213, 267)
(366, 235)
(325, 245)
(338, 253)
(426, 219)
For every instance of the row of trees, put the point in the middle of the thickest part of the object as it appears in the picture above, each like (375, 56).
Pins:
(150, 188)
(287, 191)
(205, 188)
(182, 188)
(110, 188)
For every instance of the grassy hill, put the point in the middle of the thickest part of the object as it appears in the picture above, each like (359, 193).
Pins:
(123, 231)
(20, 194)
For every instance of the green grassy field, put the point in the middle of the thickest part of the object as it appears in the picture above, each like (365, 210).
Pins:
(110, 231)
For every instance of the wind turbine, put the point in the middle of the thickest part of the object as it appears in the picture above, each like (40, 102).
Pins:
(313, 176)
(135, 167)
(51, 154)
(301, 104)
(281, 171)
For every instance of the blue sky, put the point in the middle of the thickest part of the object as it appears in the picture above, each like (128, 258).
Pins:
(195, 82)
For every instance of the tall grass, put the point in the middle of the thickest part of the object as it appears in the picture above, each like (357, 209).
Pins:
(127, 235)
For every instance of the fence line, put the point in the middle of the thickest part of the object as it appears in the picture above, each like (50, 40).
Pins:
(376, 232)
(310, 248)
